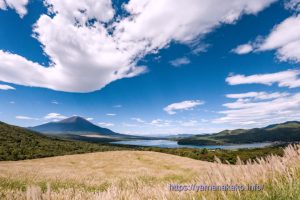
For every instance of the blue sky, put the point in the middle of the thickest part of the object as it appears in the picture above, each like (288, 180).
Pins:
(137, 68)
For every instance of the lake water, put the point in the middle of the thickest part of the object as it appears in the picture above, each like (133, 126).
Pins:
(173, 144)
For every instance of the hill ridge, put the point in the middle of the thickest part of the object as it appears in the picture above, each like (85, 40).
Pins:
(282, 132)
(19, 143)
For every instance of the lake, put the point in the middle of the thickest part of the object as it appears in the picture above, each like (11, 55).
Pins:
(173, 144)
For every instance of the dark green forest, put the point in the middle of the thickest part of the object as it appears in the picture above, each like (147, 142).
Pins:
(18, 144)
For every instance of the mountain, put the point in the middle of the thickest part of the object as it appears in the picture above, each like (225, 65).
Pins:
(78, 128)
(289, 124)
(73, 125)
(18, 143)
(284, 132)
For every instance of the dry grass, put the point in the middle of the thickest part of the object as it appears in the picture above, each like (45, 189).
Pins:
(145, 175)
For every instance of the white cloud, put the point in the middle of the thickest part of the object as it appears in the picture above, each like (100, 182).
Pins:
(257, 95)
(21, 117)
(199, 48)
(243, 49)
(247, 99)
(254, 112)
(253, 109)
(6, 87)
(86, 56)
(105, 124)
(117, 106)
(54, 116)
(167, 123)
(180, 61)
(160, 122)
(190, 123)
(90, 119)
(82, 10)
(292, 5)
(171, 127)
(18, 5)
(138, 120)
(288, 78)
(54, 102)
(111, 114)
(2, 5)
(184, 105)
(284, 38)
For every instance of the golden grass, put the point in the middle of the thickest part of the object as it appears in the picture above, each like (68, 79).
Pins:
(142, 175)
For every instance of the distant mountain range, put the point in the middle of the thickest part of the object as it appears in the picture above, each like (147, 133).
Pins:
(284, 132)
(79, 128)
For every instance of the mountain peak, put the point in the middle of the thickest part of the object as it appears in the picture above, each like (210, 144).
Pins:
(72, 124)
(74, 119)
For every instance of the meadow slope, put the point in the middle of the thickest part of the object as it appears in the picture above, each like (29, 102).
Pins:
(145, 175)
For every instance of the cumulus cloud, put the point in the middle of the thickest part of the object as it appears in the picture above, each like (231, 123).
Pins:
(88, 48)
(180, 61)
(284, 39)
(84, 56)
(18, 5)
(184, 105)
(6, 87)
(288, 78)
(243, 49)
(54, 117)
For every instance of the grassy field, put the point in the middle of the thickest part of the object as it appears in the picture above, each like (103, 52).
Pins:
(146, 175)
(127, 172)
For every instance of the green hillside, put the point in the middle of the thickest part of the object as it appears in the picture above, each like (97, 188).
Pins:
(18, 143)
(285, 132)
